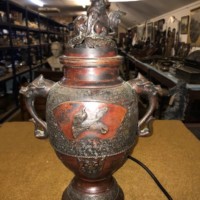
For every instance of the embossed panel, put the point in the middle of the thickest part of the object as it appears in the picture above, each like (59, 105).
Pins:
(89, 119)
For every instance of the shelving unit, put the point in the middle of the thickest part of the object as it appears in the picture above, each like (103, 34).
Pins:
(25, 38)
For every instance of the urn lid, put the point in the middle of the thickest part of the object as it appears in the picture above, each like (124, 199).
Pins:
(93, 33)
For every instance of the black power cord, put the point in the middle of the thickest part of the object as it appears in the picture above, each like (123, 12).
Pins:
(152, 176)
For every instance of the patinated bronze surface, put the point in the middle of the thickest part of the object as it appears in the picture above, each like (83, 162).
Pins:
(92, 114)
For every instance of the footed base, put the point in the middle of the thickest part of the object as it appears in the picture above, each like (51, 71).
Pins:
(107, 189)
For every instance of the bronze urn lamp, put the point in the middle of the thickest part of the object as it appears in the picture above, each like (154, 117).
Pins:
(91, 113)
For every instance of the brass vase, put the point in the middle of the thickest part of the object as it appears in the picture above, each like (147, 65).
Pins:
(91, 113)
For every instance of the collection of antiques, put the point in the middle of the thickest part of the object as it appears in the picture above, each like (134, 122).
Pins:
(17, 18)
(185, 68)
(167, 53)
(190, 70)
(3, 17)
(4, 39)
(164, 51)
(92, 114)
(20, 62)
(20, 39)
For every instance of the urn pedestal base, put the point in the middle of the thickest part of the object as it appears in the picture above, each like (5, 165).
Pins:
(106, 189)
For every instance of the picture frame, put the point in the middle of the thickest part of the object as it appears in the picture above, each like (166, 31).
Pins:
(184, 24)
(161, 23)
(150, 30)
(194, 27)
(140, 32)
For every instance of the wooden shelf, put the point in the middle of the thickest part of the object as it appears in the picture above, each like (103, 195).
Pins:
(4, 47)
(22, 70)
(33, 29)
(4, 24)
(34, 45)
(33, 67)
(45, 44)
(20, 27)
(6, 76)
(20, 46)
(24, 51)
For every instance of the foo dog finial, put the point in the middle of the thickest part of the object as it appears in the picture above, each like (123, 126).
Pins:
(95, 29)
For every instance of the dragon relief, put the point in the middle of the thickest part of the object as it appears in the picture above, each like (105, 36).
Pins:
(88, 121)
(97, 28)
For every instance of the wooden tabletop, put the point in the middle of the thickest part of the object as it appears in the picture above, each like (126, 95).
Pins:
(30, 170)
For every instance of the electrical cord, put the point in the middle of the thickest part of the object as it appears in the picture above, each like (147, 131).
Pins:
(152, 176)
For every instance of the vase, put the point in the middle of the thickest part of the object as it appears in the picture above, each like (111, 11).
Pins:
(91, 113)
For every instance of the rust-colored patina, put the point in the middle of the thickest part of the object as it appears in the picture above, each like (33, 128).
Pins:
(92, 114)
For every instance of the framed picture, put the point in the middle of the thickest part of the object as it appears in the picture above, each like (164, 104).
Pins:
(184, 24)
(140, 31)
(194, 27)
(150, 30)
(161, 23)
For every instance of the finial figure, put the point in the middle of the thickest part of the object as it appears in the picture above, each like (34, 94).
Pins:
(97, 28)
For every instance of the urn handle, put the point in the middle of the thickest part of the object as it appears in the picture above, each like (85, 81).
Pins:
(142, 86)
(39, 87)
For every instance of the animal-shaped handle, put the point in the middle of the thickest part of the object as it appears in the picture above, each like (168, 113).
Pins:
(39, 87)
(144, 87)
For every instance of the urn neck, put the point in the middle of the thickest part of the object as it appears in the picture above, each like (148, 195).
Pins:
(91, 72)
